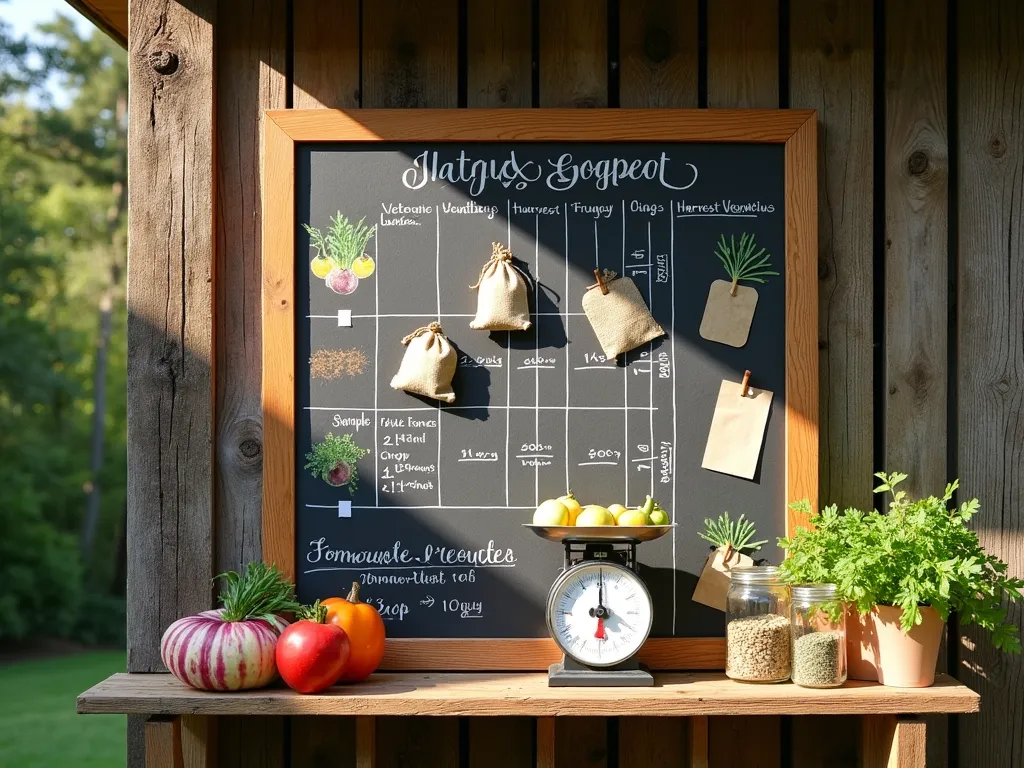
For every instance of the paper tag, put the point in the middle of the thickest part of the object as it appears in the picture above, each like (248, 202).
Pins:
(344, 318)
(714, 579)
(727, 318)
(344, 509)
(737, 430)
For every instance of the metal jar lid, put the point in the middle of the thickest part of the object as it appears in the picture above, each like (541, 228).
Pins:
(813, 592)
(755, 574)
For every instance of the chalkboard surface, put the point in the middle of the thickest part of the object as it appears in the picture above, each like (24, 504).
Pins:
(432, 530)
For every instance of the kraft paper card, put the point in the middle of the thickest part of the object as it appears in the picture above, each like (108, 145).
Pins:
(727, 318)
(737, 430)
(714, 579)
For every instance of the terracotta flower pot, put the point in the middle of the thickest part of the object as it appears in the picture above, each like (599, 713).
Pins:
(878, 649)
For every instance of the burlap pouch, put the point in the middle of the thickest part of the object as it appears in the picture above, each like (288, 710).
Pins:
(428, 364)
(501, 299)
(620, 318)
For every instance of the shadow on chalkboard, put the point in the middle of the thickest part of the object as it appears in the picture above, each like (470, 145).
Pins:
(691, 619)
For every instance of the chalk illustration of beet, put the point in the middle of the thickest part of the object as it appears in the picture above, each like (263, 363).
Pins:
(342, 246)
(729, 311)
(334, 459)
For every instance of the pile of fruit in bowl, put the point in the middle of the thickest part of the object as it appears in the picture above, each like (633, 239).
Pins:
(567, 511)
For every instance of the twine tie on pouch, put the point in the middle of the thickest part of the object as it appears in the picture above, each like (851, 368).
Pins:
(428, 364)
(502, 302)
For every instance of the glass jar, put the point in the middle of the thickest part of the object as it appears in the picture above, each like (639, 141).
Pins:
(757, 636)
(819, 636)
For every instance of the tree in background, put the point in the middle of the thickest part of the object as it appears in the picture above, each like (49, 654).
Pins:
(62, 334)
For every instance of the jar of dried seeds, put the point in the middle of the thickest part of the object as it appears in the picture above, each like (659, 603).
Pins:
(758, 644)
(819, 636)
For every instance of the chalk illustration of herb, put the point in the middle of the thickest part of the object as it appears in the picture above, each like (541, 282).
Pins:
(741, 263)
(334, 459)
(729, 311)
(341, 260)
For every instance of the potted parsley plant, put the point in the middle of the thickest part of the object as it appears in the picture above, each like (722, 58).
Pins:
(901, 574)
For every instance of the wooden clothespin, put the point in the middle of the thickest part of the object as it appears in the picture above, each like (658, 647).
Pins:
(600, 282)
(744, 384)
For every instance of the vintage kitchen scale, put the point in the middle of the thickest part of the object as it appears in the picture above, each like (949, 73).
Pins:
(599, 611)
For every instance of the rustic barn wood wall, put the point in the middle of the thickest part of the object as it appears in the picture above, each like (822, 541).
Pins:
(921, 324)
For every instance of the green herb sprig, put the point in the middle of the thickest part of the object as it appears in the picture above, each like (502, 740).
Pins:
(262, 592)
(918, 553)
(741, 263)
(344, 242)
(723, 532)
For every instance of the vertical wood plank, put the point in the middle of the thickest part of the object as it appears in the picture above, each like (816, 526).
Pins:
(743, 54)
(891, 742)
(990, 283)
(648, 741)
(410, 53)
(163, 742)
(916, 199)
(198, 741)
(698, 742)
(831, 71)
(581, 742)
(573, 53)
(250, 78)
(325, 61)
(366, 742)
(322, 741)
(424, 742)
(250, 742)
(499, 53)
(170, 333)
(501, 742)
(916, 202)
(658, 53)
(733, 740)
(546, 742)
(251, 53)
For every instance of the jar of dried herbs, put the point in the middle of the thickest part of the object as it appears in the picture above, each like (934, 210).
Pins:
(757, 636)
(819, 636)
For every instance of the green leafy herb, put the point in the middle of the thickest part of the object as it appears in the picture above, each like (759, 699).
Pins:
(741, 262)
(723, 532)
(919, 553)
(326, 456)
(261, 593)
(343, 243)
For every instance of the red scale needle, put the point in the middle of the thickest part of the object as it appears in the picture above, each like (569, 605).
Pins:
(599, 633)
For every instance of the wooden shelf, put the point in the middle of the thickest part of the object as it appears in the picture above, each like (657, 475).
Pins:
(469, 694)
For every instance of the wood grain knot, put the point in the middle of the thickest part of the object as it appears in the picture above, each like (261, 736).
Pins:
(164, 62)
(250, 448)
(996, 147)
(503, 94)
(657, 45)
(917, 163)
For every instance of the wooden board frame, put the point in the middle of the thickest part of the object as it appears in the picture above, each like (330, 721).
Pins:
(796, 129)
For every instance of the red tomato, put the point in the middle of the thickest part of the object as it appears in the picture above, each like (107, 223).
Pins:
(312, 656)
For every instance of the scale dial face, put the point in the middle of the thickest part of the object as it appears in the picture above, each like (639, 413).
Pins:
(599, 613)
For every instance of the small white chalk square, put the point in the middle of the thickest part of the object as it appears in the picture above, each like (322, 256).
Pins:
(344, 318)
(344, 509)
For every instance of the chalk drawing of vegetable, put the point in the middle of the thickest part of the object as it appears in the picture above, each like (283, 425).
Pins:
(340, 258)
(730, 308)
(334, 459)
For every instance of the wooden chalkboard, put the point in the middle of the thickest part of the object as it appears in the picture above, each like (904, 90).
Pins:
(432, 530)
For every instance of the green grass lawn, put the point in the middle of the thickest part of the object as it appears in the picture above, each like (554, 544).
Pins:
(38, 724)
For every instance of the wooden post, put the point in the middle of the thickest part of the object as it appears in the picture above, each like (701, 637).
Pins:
(698, 742)
(892, 742)
(163, 743)
(366, 742)
(545, 742)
